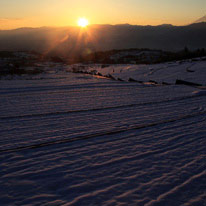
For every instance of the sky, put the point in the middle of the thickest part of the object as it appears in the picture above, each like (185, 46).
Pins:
(38, 13)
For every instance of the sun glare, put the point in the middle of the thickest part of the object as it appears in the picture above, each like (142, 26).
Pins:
(83, 22)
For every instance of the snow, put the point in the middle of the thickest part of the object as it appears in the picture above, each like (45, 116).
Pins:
(76, 139)
(165, 72)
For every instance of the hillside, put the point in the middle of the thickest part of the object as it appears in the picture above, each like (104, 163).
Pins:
(79, 139)
(73, 40)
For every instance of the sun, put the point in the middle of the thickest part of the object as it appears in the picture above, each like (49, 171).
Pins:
(83, 22)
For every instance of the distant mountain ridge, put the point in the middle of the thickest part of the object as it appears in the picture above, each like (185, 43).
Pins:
(69, 41)
(202, 19)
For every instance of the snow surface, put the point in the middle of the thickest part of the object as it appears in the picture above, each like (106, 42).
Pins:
(165, 72)
(75, 139)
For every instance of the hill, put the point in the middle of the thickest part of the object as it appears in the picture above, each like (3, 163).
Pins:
(68, 41)
(202, 19)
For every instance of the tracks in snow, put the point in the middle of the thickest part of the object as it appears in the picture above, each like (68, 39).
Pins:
(111, 132)
(99, 109)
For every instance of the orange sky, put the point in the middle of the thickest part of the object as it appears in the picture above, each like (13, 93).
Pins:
(37, 13)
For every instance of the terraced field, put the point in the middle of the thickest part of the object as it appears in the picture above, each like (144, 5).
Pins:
(80, 140)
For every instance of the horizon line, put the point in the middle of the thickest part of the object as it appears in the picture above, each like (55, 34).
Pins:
(124, 24)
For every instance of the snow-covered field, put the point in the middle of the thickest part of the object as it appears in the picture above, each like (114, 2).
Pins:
(193, 71)
(76, 139)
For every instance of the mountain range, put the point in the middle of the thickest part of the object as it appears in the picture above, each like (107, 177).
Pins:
(68, 41)
(202, 19)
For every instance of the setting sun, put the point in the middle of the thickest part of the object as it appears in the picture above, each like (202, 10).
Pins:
(83, 22)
